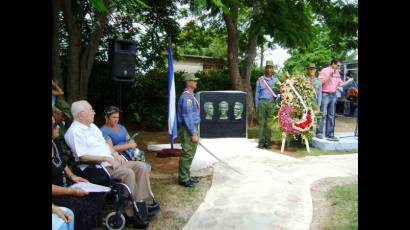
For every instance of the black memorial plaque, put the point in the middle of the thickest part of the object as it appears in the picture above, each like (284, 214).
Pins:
(223, 114)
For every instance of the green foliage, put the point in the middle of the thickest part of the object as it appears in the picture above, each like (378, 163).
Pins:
(145, 101)
(199, 40)
(289, 23)
(319, 51)
(305, 89)
(99, 5)
(148, 23)
(342, 18)
(213, 81)
(335, 35)
(148, 97)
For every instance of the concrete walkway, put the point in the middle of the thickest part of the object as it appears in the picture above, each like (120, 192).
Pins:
(274, 192)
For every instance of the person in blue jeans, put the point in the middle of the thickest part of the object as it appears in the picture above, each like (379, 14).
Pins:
(328, 109)
(331, 80)
(62, 218)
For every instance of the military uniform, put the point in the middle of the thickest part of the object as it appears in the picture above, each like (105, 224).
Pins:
(188, 122)
(265, 102)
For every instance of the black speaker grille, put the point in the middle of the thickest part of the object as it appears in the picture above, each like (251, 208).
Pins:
(122, 56)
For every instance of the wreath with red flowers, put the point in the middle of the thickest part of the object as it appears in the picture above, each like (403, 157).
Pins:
(296, 115)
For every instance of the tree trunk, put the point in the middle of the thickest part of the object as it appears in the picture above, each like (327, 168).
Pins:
(56, 61)
(233, 48)
(88, 56)
(73, 72)
(247, 70)
(74, 44)
(80, 61)
(242, 83)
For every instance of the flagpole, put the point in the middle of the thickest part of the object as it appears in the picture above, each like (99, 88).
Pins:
(171, 139)
(172, 118)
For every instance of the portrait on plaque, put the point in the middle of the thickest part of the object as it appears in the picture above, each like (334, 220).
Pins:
(223, 114)
(237, 110)
(209, 110)
(223, 110)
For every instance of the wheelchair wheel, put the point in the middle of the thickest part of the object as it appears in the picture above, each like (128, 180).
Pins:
(114, 221)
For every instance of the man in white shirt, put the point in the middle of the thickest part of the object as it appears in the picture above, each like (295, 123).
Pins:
(88, 144)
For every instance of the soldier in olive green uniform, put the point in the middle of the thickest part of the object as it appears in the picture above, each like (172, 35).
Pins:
(265, 95)
(188, 121)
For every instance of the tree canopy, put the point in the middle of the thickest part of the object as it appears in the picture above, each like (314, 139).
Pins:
(82, 29)
(313, 31)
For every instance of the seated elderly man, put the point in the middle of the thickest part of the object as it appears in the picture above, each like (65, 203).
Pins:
(88, 144)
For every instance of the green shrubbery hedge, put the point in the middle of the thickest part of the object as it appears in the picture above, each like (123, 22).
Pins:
(145, 101)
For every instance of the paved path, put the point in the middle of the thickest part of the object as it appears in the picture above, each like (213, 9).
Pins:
(274, 192)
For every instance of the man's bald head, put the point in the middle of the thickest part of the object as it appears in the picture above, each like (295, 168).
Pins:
(82, 112)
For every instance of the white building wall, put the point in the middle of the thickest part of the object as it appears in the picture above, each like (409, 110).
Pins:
(188, 66)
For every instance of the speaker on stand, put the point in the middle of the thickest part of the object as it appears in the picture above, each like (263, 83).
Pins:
(121, 59)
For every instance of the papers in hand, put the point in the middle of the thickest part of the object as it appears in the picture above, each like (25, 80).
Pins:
(90, 187)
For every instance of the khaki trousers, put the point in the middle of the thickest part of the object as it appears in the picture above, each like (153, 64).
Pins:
(135, 175)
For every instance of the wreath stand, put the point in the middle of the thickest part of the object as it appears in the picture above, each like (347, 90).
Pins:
(284, 135)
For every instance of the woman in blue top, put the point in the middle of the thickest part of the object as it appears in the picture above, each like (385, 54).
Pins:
(118, 135)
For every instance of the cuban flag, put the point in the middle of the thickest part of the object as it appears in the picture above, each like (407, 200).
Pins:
(172, 119)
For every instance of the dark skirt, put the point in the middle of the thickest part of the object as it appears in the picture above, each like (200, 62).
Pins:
(87, 209)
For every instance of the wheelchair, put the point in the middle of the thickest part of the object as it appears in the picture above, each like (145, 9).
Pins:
(120, 193)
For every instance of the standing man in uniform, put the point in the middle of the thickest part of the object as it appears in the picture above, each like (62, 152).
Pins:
(188, 122)
(265, 95)
(317, 84)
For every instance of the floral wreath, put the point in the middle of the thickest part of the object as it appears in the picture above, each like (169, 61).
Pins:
(296, 115)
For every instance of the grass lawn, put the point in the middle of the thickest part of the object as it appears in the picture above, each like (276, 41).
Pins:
(178, 203)
(343, 214)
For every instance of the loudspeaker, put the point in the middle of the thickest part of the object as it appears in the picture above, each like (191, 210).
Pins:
(121, 59)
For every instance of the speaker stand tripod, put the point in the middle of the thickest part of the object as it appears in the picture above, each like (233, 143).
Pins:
(119, 94)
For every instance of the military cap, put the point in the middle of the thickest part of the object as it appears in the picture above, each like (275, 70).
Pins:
(269, 63)
(311, 65)
(189, 77)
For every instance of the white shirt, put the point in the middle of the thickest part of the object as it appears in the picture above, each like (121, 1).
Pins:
(84, 140)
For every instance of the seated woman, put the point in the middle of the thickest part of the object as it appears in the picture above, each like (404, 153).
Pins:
(86, 207)
(63, 218)
(118, 135)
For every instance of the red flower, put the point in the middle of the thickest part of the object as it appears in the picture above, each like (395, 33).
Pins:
(307, 122)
